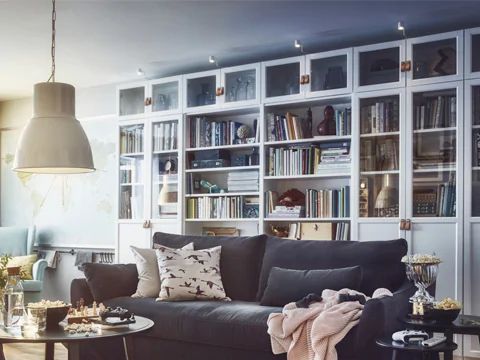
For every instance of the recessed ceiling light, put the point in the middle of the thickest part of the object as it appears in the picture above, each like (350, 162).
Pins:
(140, 72)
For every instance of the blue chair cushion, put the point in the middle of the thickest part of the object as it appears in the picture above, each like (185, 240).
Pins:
(13, 241)
(31, 285)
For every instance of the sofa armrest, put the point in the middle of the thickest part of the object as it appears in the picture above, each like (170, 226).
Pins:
(79, 290)
(38, 269)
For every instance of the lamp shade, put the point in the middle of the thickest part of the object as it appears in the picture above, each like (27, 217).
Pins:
(53, 141)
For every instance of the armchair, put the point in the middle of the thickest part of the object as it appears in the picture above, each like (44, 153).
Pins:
(18, 241)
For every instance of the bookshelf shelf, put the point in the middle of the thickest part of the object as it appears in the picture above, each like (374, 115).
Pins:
(436, 169)
(162, 152)
(223, 169)
(310, 140)
(434, 130)
(253, 193)
(380, 172)
(224, 220)
(131, 184)
(220, 147)
(303, 219)
(476, 168)
(476, 126)
(313, 176)
(136, 154)
(380, 134)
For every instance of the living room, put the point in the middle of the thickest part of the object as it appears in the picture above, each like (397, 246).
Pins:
(222, 179)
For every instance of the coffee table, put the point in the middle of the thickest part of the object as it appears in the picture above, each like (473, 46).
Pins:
(73, 341)
(414, 349)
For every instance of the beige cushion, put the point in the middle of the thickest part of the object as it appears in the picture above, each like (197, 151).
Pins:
(147, 268)
(190, 274)
(25, 263)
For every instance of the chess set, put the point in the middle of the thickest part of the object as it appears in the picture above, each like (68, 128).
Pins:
(99, 314)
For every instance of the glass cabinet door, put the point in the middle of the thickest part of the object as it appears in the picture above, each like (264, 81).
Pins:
(165, 169)
(434, 153)
(379, 156)
(241, 84)
(475, 123)
(378, 66)
(282, 79)
(131, 172)
(165, 96)
(131, 101)
(435, 58)
(472, 53)
(330, 73)
(475, 56)
(201, 89)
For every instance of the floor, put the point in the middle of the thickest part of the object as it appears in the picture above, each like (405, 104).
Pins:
(31, 351)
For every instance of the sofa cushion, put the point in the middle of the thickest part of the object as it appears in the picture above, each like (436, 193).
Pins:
(240, 260)
(107, 281)
(236, 324)
(287, 285)
(379, 260)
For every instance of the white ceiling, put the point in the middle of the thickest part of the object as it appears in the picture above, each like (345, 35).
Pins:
(105, 41)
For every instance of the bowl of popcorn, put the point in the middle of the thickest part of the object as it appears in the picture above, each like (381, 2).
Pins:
(445, 311)
(56, 311)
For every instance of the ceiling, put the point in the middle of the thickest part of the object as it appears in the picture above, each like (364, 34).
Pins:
(105, 41)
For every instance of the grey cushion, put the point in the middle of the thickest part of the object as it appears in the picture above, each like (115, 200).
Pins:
(235, 324)
(380, 260)
(286, 285)
(240, 260)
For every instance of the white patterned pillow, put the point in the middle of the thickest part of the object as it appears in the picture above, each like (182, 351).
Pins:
(147, 268)
(190, 274)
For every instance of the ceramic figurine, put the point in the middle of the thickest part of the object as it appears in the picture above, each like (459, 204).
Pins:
(327, 125)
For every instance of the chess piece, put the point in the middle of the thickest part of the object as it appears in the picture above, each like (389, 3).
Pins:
(94, 308)
(327, 125)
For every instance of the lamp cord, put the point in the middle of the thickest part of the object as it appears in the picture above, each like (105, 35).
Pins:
(52, 51)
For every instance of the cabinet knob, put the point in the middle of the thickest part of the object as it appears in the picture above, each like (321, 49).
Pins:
(402, 224)
(148, 101)
(220, 91)
(304, 79)
(146, 224)
(405, 66)
(408, 225)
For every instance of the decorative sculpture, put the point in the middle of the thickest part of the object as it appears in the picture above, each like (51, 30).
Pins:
(327, 125)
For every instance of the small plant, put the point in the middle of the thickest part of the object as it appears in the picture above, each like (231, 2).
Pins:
(4, 259)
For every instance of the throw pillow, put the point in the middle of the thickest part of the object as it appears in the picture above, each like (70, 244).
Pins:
(286, 285)
(190, 274)
(25, 263)
(147, 268)
(108, 281)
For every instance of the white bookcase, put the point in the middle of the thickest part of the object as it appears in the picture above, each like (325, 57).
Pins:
(428, 194)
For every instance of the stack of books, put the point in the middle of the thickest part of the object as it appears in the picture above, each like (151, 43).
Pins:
(343, 121)
(335, 157)
(319, 231)
(294, 160)
(330, 203)
(131, 140)
(130, 205)
(205, 132)
(380, 117)
(241, 181)
(288, 127)
(271, 199)
(287, 212)
(436, 112)
(221, 207)
(165, 136)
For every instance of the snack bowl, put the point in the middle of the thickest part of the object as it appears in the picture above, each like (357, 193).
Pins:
(444, 316)
(56, 311)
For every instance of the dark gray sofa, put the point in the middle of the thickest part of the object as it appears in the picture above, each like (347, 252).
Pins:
(238, 329)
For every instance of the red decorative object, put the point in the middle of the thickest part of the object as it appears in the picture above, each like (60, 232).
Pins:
(327, 125)
(292, 197)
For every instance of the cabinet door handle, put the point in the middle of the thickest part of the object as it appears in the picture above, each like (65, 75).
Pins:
(408, 225)
(304, 79)
(145, 224)
(220, 91)
(148, 101)
(402, 224)
(406, 66)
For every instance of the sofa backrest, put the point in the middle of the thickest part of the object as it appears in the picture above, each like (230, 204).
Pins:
(240, 260)
(379, 260)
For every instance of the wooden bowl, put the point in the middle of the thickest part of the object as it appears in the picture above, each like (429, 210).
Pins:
(55, 315)
(443, 316)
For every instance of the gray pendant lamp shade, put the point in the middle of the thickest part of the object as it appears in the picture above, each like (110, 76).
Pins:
(53, 141)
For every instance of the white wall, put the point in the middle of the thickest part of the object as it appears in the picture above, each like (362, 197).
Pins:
(73, 223)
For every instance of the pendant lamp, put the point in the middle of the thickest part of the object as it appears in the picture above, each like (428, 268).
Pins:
(53, 141)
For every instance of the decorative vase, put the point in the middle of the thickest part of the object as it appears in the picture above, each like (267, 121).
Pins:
(327, 125)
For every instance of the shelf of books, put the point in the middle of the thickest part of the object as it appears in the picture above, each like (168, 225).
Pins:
(307, 147)
(131, 171)
(379, 164)
(475, 121)
(222, 172)
(434, 153)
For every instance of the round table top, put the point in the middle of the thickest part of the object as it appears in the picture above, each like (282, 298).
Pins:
(387, 342)
(60, 335)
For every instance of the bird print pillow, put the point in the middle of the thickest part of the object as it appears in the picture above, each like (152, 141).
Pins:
(190, 274)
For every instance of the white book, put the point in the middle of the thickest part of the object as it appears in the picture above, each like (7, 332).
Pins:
(161, 142)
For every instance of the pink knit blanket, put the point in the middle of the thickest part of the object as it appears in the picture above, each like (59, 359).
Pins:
(312, 333)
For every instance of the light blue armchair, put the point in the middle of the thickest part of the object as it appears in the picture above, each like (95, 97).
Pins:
(18, 241)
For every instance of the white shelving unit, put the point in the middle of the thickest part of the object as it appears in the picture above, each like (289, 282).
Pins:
(342, 78)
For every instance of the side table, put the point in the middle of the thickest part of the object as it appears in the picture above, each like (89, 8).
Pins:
(417, 350)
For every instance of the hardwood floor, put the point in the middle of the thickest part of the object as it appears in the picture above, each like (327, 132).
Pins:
(32, 352)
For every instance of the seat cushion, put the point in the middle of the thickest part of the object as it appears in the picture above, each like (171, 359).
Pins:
(240, 261)
(380, 260)
(236, 324)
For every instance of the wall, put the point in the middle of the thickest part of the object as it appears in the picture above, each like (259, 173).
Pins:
(75, 210)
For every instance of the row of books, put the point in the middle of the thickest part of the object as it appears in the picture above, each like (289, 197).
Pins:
(131, 170)
(343, 122)
(205, 132)
(289, 126)
(130, 205)
(379, 155)
(436, 112)
(439, 201)
(165, 136)
(380, 117)
(222, 207)
(330, 203)
(131, 140)
(476, 105)
(308, 159)
(319, 231)
(239, 181)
